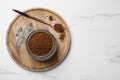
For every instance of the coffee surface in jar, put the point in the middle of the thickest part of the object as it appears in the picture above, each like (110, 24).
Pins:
(40, 43)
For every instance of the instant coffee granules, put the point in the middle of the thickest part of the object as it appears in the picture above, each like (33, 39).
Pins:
(40, 43)
(58, 27)
(62, 36)
(50, 18)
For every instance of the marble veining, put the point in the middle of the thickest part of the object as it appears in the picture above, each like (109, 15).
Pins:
(48, 75)
(115, 59)
(92, 17)
(7, 72)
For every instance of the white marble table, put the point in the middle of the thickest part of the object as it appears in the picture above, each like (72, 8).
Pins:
(95, 33)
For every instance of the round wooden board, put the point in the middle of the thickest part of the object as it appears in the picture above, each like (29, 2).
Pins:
(21, 56)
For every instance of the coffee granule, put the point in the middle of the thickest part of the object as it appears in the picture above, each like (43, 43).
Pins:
(62, 36)
(58, 27)
(40, 43)
(50, 18)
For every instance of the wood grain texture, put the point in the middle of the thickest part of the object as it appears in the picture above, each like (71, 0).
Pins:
(21, 56)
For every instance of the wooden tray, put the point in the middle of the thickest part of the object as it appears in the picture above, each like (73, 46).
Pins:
(21, 56)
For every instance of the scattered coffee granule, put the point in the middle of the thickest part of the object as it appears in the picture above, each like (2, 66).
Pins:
(62, 36)
(40, 43)
(50, 18)
(58, 27)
